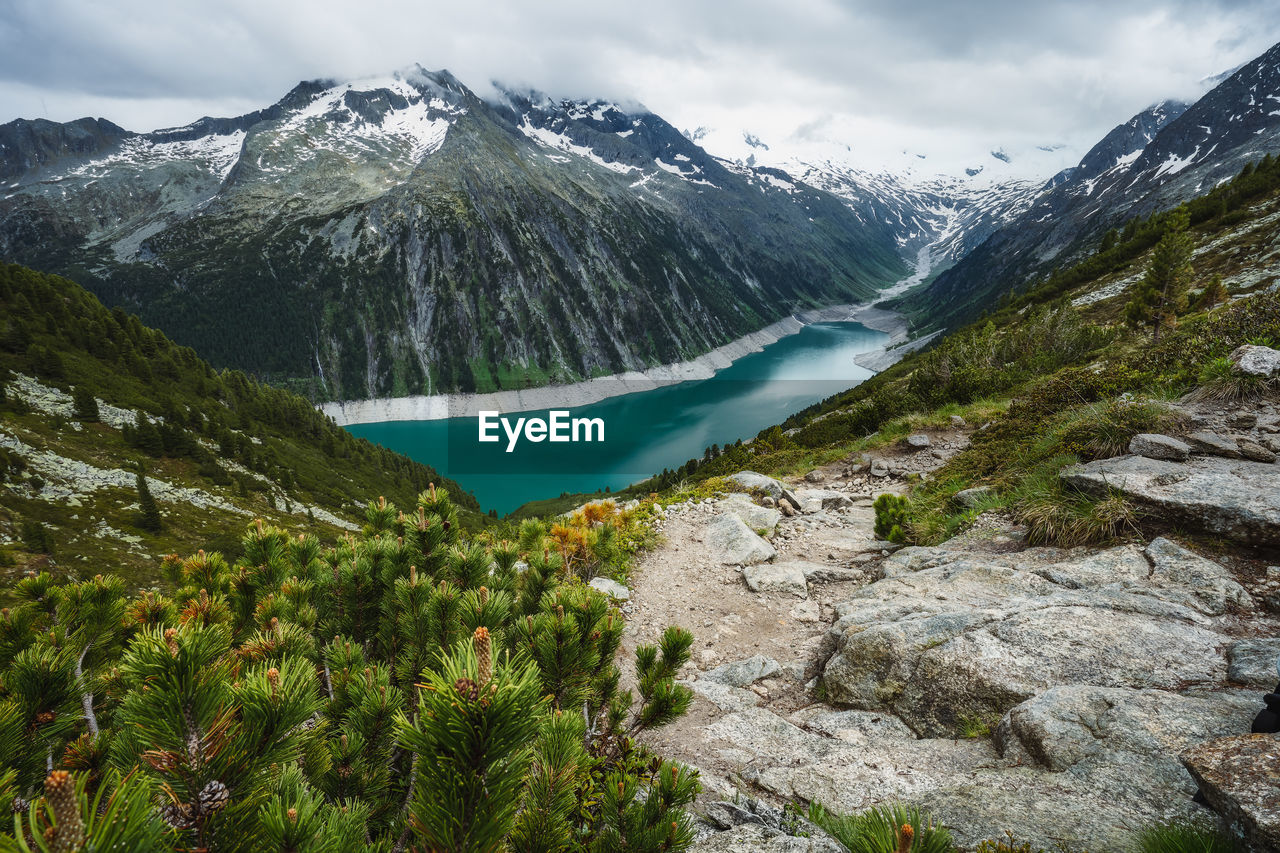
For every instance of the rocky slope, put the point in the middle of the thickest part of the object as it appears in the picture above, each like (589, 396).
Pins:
(401, 235)
(1050, 693)
(1165, 155)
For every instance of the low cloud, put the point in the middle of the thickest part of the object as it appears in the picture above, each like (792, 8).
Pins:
(878, 75)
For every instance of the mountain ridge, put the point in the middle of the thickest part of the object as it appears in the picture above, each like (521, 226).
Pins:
(1174, 163)
(417, 238)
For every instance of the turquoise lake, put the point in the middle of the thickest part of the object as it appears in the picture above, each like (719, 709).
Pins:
(645, 431)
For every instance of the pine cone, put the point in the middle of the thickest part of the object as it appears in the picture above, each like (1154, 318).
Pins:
(20, 805)
(44, 718)
(467, 689)
(214, 797)
(177, 815)
(68, 829)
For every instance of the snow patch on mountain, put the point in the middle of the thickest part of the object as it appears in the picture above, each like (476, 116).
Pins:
(561, 142)
(378, 116)
(217, 152)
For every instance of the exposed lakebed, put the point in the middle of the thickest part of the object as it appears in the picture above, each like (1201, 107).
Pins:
(645, 431)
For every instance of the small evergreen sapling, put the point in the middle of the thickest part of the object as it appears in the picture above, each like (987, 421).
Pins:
(1161, 294)
(84, 404)
(148, 517)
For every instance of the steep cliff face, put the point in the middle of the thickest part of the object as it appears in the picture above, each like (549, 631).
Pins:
(1163, 156)
(401, 236)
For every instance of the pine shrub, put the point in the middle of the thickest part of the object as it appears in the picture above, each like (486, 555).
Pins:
(891, 517)
(403, 689)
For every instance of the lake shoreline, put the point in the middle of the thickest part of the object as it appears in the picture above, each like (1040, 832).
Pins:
(441, 406)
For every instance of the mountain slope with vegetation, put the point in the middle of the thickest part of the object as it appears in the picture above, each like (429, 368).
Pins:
(1162, 157)
(403, 236)
(92, 399)
(1051, 369)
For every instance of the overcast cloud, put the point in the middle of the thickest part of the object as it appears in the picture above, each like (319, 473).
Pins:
(884, 77)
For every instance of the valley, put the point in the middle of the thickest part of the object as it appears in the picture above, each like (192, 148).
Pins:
(646, 431)
(419, 464)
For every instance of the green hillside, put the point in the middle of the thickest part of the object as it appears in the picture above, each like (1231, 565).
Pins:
(90, 397)
(1052, 370)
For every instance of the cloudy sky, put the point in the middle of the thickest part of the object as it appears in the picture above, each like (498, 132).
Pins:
(880, 79)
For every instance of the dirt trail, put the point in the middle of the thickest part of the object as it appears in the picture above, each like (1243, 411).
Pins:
(683, 582)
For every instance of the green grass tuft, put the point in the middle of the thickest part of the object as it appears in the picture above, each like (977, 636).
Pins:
(1184, 837)
(1221, 384)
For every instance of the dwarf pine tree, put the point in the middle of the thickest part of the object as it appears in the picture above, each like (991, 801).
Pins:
(403, 689)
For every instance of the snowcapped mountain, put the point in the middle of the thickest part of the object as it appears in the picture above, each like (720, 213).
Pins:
(1166, 154)
(401, 235)
(936, 217)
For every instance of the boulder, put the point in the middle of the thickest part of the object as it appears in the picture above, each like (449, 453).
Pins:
(988, 669)
(1243, 420)
(776, 577)
(1210, 587)
(962, 783)
(1252, 450)
(1155, 446)
(879, 468)
(1240, 777)
(860, 728)
(758, 838)
(1079, 727)
(743, 673)
(754, 516)
(611, 588)
(1212, 444)
(806, 611)
(972, 497)
(1257, 361)
(723, 696)
(824, 573)
(735, 544)
(1236, 499)
(754, 482)
(944, 637)
(918, 441)
(790, 762)
(957, 422)
(1255, 663)
(790, 497)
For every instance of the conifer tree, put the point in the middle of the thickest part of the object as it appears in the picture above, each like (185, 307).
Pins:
(145, 436)
(1161, 294)
(148, 516)
(1214, 294)
(84, 404)
(474, 723)
(405, 689)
